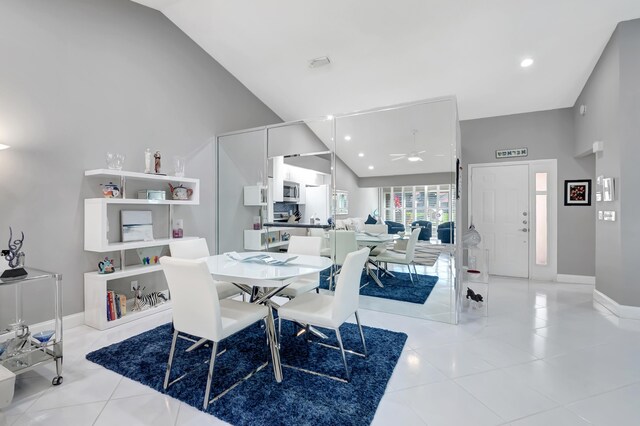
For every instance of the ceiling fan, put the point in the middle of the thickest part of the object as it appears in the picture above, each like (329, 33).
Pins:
(412, 156)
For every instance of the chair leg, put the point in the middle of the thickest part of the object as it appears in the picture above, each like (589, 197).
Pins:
(364, 345)
(344, 358)
(279, 329)
(212, 363)
(173, 348)
(410, 273)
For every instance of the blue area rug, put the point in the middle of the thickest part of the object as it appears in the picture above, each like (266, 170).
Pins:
(300, 399)
(399, 288)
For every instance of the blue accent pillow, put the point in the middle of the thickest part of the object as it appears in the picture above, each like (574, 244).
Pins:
(370, 220)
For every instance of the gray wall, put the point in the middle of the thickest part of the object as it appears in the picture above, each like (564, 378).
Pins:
(548, 135)
(611, 96)
(82, 77)
(362, 201)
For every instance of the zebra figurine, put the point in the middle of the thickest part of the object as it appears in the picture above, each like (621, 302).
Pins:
(146, 301)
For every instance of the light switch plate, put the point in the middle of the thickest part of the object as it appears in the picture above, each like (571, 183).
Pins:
(610, 215)
(600, 215)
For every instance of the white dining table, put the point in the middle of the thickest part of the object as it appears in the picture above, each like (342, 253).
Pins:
(372, 241)
(263, 281)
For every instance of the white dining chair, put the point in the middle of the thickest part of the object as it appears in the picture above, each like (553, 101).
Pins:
(331, 310)
(304, 246)
(325, 250)
(196, 249)
(342, 243)
(399, 258)
(197, 311)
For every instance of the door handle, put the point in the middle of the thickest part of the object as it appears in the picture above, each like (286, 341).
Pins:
(525, 230)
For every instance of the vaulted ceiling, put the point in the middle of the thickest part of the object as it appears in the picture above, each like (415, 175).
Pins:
(388, 52)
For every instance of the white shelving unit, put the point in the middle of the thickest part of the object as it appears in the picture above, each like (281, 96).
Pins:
(96, 227)
(255, 239)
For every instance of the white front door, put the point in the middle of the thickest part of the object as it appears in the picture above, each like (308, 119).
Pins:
(500, 213)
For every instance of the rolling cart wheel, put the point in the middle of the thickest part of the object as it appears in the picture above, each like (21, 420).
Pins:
(57, 381)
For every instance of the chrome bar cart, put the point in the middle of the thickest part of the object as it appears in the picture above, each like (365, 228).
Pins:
(21, 347)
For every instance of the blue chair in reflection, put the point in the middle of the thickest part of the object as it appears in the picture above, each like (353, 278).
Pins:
(394, 227)
(425, 232)
(446, 232)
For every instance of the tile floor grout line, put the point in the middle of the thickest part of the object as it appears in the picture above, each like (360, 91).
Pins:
(109, 399)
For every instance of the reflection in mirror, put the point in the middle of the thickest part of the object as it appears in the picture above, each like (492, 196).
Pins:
(241, 195)
(397, 166)
(383, 179)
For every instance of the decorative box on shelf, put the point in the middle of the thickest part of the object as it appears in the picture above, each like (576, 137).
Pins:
(150, 194)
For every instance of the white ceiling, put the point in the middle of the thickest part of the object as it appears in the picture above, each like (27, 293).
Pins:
(388, 52)
(379, 134)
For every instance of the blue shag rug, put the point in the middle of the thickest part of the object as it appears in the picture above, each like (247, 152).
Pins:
(399, 288)
(300, 399)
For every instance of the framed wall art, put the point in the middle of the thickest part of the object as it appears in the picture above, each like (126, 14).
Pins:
(577, 192)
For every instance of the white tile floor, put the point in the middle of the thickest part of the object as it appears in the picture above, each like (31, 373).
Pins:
(545, 356)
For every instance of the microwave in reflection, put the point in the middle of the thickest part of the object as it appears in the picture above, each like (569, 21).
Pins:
(291, 192)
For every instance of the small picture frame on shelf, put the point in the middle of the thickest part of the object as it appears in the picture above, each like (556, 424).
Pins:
(137, 225)
(577, 192)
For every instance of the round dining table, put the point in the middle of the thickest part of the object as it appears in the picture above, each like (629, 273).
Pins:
(263, 279)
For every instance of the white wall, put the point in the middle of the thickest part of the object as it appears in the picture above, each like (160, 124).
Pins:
(83, 77)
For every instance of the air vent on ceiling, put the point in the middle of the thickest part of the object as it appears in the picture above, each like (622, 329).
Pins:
(319, 62)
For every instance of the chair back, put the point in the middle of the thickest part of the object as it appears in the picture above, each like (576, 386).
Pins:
(411, 245)
(345, 298)
(376, 229)
(194, 298)
(318, 232)
(189, 249)
(305, 245)
(342, 243)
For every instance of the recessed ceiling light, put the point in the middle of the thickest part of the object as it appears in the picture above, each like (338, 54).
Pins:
(347, 138)
(361, 154)
(3, 146)
(414, 158)
(370, 167)
(527, 62)
(329, 117)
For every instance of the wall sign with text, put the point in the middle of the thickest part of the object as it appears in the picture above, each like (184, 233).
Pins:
(513, 152)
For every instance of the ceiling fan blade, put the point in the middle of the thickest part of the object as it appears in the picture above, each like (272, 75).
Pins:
(422, 152)
(398, 158)
(397, 155)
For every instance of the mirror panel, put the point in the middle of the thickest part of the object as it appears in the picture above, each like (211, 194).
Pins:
(398, 167)
(241, 173)
(393, 166)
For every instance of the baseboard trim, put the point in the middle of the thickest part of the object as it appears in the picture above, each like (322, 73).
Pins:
(576, 279)
(68, 322)
(622, 311)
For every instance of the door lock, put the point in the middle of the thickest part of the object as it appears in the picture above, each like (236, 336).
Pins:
(524, 222)
(525, 230)
(524, 213)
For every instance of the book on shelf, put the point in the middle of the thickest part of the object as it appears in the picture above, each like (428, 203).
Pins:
(111, 315)
(116, 303)
(123, 304)
(108, 309)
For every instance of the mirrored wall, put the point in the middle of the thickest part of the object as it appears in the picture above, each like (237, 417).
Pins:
(383, 179)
